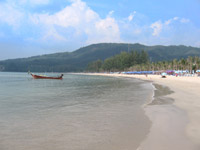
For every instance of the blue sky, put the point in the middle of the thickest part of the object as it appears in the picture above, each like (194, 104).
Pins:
(35, 27)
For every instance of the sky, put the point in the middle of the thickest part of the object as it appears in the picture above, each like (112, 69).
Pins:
(36, 27)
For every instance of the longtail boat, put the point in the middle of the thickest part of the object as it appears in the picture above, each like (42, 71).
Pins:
(45, 77)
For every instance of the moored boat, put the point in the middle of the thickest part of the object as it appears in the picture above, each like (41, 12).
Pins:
(46, 77)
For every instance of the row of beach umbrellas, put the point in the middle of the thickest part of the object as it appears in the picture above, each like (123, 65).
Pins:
(155, 72)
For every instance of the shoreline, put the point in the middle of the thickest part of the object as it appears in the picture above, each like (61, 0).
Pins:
(168, 123)
(186, 97)
(174, 126)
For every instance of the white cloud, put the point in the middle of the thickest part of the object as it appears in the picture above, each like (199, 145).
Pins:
(131, 16)
(106, 25)
(110, 13)
(10, 15)
(168, 22)
(13, 12)
(171, 20)
(157, 28)
(106, 30)
(52, 34)
(174, 31)
(175, 18)
(82, 19)
(71, 16)
(184, 20)
(77, 22)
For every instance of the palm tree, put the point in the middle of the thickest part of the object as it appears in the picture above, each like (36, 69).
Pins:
(190, 63)
(182, 63)
(196, 62)
(175, 62)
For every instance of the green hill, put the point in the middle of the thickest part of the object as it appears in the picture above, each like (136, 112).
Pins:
(78, 60)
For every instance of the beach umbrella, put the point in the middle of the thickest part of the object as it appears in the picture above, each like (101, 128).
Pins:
(164, 74)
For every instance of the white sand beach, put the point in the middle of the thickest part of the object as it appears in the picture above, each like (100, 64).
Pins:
(175, 126)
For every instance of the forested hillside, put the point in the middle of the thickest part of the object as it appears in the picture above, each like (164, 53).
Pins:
(79, 59)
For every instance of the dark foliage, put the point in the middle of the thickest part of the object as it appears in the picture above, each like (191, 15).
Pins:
(79, 59)
(119, 62)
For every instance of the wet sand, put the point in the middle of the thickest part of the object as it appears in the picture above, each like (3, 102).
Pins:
(168, 123)
(187, 98)
(174, 113)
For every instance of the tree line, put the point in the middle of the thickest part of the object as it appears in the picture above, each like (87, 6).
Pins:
(120, 62)
(139, 61)
(190, 63)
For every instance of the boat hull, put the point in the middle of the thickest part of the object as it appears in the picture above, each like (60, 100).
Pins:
(46, 77)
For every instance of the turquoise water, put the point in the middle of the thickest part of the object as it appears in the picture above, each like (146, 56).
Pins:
(80, 112)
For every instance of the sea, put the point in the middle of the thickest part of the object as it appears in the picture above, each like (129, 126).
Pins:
(80, 112)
